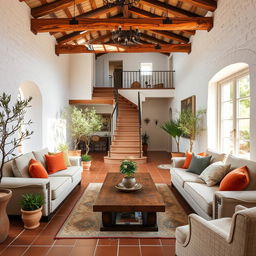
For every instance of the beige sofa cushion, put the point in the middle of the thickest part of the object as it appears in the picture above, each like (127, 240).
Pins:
(237, 162)
(214, 173)
(216, 156)
(20, 165)
(202, 195)
(39, 155)
(58, 185)
(181, 176)
(73, 172)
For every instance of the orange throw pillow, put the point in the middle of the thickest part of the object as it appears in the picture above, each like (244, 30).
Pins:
(236, 180)
(55, 162)
(36, 170)
(189, 158)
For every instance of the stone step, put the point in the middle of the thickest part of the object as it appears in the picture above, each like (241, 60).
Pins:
(117, 160)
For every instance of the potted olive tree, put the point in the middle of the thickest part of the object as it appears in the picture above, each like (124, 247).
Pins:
(86, 162)
(173, 129)
(128, 168)
(191, 124)
(12, 132)
(31, 210)
(145, 139)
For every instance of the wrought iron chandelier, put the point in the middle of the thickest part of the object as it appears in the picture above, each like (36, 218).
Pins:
(126, 37)
(112, 3)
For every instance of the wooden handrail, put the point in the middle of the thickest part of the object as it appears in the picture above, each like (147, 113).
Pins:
(139, 113)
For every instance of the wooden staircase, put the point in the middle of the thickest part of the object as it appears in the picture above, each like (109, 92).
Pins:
(103, 95)
(126, 140)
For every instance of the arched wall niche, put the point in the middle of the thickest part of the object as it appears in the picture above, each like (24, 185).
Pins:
(34, 113)
(212, 105)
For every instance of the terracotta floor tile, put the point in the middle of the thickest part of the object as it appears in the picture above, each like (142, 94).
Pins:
(168, 250)
(86, 242)
(65, 242)
(44, 240)
(108, 241)
(23, 240)
(83, 250)
(125, 241)
(14, 251)
(149, 241)
(37, 251)
(106, 251)
(168, 241)
(59, 251)
(152, 251)
(129, 251)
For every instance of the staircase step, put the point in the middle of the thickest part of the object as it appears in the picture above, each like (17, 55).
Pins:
(124, 155)
(126, 143)
(126, 133)
(117, 160)
(126, 148)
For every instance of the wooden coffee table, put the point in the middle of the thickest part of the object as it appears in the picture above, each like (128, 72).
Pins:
(112, 202)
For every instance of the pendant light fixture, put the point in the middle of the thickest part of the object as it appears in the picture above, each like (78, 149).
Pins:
(74, 21)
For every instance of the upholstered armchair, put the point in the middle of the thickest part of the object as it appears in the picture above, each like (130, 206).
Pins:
(234, 236)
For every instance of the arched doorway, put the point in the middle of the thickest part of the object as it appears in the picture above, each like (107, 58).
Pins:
(228, 117)
(34, 113)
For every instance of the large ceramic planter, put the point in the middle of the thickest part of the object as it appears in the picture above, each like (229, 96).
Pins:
(129, 181)
(5, 195)
(177, 154)
(74, 152)
(31, 219)
(86, 165)
(145, 149)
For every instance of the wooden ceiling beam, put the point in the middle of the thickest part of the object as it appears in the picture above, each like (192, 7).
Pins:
(153, 39)
(52, 7)
(100, 39)
(63, 25)
(115, 48)
(145, 14)
(209, 5)
(177, 12)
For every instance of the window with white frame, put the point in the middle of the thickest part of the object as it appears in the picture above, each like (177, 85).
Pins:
(234, 114)
(146, 69)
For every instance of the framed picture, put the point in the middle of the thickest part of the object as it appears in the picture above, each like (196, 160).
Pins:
(190, 105)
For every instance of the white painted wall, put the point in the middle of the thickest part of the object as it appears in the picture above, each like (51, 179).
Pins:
(156, 109)
(232, 40)
(82, 76)
(29, 57)
(131, 62)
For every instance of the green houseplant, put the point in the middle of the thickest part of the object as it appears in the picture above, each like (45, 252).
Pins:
(191, 124)
(128, 168)
(86, 162)
(12, 132)
(31, 210)
(173, 129)
(145, 139)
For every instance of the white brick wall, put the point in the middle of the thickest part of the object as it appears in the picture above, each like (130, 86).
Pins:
(232, 40)
(28, 57)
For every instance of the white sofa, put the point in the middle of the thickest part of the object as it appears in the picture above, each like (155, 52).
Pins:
(54, 189)
(209, 202)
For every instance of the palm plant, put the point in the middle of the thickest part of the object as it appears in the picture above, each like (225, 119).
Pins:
(174, 130)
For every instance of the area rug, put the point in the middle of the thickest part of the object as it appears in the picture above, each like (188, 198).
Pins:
(164, 166)
(82, 222)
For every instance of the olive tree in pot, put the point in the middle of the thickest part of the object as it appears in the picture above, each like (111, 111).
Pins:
(86, 162)
(191, 124)
(128, 168)
(12, 132)
(31, 210)
(173, 129)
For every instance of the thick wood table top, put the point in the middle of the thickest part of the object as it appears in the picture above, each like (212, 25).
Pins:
(111, 199)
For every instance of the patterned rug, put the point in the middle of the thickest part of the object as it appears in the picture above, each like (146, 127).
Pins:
(164, 166)
(84, 223)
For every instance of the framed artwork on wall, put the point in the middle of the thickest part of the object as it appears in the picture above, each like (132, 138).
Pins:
(189, 104)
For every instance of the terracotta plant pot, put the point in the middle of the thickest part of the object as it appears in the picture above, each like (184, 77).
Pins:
(145, 149)
(177, 154)
(5, 195)
(86, 165)
(74, 152)
(31, 219)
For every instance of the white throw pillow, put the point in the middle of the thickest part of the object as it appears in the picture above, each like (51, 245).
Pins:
(214, 173)
(20, 165)
(39, 155)
(216, 156)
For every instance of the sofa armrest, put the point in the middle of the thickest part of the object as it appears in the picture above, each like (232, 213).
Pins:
(225, 202)
(75, 160)
(17, 182)
(177, 162)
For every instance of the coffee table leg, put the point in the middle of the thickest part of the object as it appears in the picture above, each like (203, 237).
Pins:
(107, 219)
(150, 220)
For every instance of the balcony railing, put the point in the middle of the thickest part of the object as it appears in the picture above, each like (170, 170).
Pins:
(150, 79)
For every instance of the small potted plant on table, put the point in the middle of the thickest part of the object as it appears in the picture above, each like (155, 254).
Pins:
(31, 209)
(86, 162)
(128, 168)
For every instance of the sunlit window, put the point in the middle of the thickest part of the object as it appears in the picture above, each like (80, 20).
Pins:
(146, 69)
